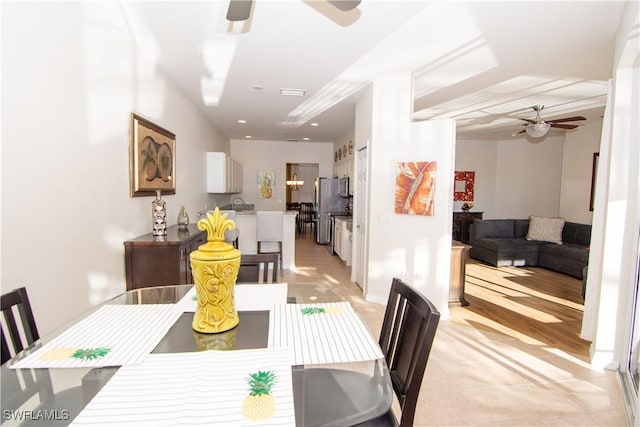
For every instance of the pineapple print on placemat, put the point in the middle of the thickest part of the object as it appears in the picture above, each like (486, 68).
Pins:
(322, 310)
(260, 404)
(75, 353)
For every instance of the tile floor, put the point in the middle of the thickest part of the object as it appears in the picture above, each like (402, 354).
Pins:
(477, 377)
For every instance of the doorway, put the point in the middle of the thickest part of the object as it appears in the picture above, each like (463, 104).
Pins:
(360, 219)
(305, 172)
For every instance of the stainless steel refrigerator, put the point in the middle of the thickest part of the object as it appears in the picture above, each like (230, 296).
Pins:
(326, 201)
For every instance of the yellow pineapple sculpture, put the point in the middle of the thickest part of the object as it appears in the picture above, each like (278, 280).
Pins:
(215, 266)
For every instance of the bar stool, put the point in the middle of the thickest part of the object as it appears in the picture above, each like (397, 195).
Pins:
(231, 236)
(269, 233)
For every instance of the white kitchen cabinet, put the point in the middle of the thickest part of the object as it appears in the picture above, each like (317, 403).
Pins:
(346, 241)
(337, 237)
(224, 175)
(342, 242)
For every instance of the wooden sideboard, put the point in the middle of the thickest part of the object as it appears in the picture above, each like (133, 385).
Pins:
(461, 224)
(152, 261)
(459, 255)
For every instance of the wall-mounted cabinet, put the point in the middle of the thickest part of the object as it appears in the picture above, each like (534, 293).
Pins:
(224, 175)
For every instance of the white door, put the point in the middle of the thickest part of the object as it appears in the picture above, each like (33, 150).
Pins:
(360, 220)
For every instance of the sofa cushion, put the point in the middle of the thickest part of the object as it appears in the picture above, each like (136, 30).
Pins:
(500, 228)
(545, 229)
(521, 227)
(568, 250)
(579, 234)
(508, 245)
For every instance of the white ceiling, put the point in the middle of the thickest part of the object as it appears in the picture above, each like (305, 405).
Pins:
(482, 63)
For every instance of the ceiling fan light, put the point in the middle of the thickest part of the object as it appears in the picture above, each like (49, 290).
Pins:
(537, 130)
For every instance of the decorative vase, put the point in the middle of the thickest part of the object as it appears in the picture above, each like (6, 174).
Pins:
(215, 266)
(159, 215)
(183, 219)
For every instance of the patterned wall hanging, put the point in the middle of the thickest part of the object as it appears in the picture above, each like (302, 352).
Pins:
(463, 186)
(415, 188)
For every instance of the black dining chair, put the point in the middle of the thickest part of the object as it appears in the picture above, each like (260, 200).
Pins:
(307, 217)
(21, 330)
(251, 264)
(408, 329)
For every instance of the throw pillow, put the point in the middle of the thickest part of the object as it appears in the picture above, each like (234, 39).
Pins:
(545, 229)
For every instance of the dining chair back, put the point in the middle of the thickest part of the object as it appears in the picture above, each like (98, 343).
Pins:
(269, 233)
(231, 236)
(18, 325)
(250, 297)
(251, 264)
(307, 216)
(408, 330)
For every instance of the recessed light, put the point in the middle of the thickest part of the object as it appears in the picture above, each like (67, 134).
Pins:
(257, 87)
(314, 124)
(292, 92)
(242, 121)
(248, 136)
(305, 139)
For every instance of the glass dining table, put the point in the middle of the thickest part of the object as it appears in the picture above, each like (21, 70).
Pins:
(336, 394)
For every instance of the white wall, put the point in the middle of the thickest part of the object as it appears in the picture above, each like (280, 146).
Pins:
(71, 77)
(415, 248)
(274, 155)
(611, 282)
(528, 178)
(514, 178)
(577, 163)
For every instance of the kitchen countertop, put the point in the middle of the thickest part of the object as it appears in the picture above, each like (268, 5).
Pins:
(253, 212)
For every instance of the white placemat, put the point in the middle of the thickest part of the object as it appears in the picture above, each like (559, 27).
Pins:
(322, 333)
(114, 335)
(248, 296)
(204, 388)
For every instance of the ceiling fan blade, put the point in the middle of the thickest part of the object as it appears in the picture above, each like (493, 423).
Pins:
(566, 119)
(239, 10)
(555, 125)
(522, 131)
(527, 120)
(344, 5)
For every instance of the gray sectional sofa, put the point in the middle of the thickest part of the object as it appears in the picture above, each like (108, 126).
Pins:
(503, 242)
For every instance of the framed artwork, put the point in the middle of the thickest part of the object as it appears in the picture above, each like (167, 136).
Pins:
(266, 184)
(415, 188)
(152, 158)
(594, 176)
(463, 186)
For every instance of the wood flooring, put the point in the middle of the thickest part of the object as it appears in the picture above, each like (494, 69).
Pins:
(532, 304)
(513, 357)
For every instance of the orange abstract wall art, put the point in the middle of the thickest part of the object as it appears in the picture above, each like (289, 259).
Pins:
(415, 188)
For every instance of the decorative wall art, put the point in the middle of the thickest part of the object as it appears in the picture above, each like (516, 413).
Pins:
(415, 188)
(266, 184)
(463, 186)
(152, 159)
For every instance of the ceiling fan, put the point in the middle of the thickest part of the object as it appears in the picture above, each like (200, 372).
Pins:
(240, 10)
(538, 128)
